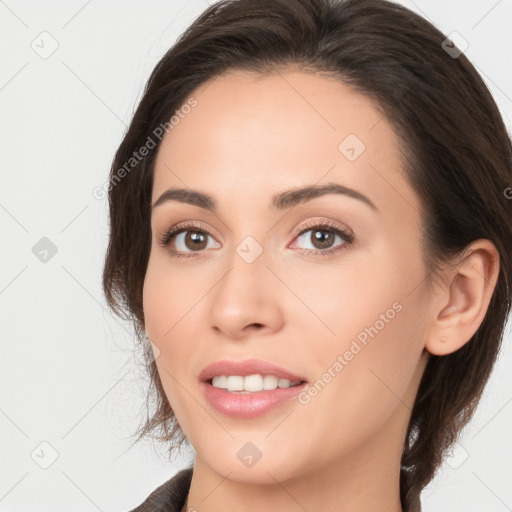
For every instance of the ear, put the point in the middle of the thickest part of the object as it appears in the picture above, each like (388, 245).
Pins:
(462, 301)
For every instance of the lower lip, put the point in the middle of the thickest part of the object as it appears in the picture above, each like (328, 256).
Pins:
(248, 405)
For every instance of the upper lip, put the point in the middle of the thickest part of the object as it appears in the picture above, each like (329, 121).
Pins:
(246, 367)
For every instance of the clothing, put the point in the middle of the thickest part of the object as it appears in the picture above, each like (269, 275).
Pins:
(169, 496)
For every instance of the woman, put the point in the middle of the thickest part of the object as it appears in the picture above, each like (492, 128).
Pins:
(311, 231)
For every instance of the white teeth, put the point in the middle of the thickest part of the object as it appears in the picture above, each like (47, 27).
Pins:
(235, 383)
(270, 382)
(251, 383)
(220, 382)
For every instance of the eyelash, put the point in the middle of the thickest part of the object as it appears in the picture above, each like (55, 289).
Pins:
(348, 238)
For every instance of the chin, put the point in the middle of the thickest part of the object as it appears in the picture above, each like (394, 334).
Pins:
(257, 461)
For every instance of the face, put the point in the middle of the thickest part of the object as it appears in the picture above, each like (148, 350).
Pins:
(327, 286)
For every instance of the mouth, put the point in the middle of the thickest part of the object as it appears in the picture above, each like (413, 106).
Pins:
(248, 389)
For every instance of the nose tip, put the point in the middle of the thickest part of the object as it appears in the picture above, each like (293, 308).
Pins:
(242, 296)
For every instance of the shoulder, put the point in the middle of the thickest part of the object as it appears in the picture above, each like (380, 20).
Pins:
(169, 496)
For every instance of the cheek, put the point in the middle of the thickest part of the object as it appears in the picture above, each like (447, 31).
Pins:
(366, 383)
(167, 296)
(155, 302)
(375, 343)
(168, 300)
(363, 296)
(174, 310)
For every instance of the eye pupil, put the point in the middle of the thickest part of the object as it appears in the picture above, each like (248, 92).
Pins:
(197, 238)
(323, 237)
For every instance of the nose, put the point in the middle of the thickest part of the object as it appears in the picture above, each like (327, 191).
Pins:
(246, 299)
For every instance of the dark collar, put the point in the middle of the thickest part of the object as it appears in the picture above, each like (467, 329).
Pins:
(170, 496)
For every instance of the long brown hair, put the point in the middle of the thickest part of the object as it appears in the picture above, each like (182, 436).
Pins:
(456, 153)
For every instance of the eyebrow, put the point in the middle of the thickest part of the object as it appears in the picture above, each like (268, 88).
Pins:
(281, 201)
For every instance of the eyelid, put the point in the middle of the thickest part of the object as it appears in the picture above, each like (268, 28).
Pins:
(322, 222)
(183, 226)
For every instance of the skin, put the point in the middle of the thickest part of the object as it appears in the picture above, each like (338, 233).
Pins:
(248, 138)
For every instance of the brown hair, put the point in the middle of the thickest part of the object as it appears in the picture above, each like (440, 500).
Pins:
(457, 157)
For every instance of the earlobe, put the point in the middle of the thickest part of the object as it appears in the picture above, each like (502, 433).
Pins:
(464, 298)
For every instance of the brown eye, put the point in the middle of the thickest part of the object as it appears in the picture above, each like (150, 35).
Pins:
(323, 237)
(195, 240)
(184, 241)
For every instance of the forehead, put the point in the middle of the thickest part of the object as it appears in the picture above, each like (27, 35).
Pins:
(249, 133)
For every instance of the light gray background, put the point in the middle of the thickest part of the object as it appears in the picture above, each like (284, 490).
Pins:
(68, 374)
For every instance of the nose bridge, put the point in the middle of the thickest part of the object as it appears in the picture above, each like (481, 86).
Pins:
(247, 270)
